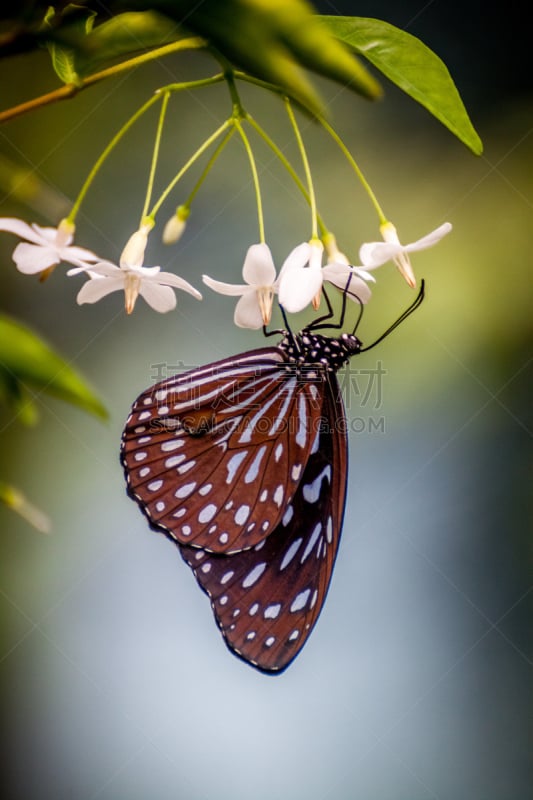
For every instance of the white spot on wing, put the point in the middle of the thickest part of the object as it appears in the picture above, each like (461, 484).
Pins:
(253, 470)
(234, 464)
(173, 461)
(301, 435)
(173, 444)
(185, 490)
(186, 467)
(288, 515)
(311, 491)
(278, 495)
(254, 575)
(241, 515)
(300, 600)
(312, 541)
(207, 513)
(154, 486)
(272, 611)
(291, 552)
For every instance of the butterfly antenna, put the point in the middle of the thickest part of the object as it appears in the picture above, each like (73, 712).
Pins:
(401, 318)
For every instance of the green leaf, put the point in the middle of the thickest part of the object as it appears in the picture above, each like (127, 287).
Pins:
(26, 362)
(63, 62)
(123, 36)
(413, 67)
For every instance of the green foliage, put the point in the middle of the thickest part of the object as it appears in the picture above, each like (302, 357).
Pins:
(413, 67)
(271, 41)
(26, 362)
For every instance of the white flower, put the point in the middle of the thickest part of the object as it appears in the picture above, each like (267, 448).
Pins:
(49, 246)
(254, 308)
(156, 287)
(374, 254)
(300, 278)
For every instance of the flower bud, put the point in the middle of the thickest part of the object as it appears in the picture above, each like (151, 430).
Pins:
(133, 253)
(175, 226)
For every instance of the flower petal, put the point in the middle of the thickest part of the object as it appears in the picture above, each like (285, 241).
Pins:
(338, 275)
(170, 279)
(160, 298)
(75, 254)
(298, 257)
(22, 229)
(247, 312)
(104, 269)
(231, 289)
(258, 268)
(94, 290)
(300, 279)
(51, 235)
(34, 258)
(298, 287)
(430, 239)
(374, 254)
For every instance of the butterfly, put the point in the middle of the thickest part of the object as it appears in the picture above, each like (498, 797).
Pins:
(243, 465)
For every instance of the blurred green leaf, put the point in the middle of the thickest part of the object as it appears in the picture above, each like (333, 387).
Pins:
(120, 37)
(63, 62)
(272, 40)
(26, 361)
(14, 499)
(413, 67)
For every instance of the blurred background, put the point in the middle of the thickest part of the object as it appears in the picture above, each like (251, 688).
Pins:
(415, 683)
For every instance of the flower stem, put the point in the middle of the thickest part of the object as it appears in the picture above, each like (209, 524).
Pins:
(307, 169)
(220, 146)
(155, 154)
(214, 136)
(288, 166)
(337, 139)
(255, 176)
(110, 147)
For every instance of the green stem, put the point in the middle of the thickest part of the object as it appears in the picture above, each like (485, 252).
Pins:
(198, 84)
(112, 144)
(307, 170)
(155, 154)
(220, 146)
(288, 166)
(189, 164)
(255, 176)
(337, 139)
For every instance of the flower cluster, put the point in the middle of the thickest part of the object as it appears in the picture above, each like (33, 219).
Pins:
(298, 284)
(303, 274)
